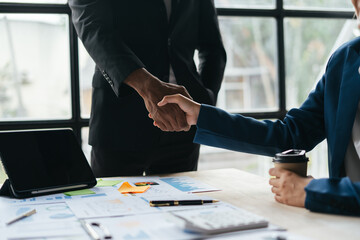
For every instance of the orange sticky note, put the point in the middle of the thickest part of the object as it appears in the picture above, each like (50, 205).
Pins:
(127, 188)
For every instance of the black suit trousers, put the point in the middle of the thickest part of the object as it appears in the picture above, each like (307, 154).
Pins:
(107, 162)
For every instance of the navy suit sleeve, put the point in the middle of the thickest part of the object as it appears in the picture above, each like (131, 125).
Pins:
(212, 55)
(302, 128)
(94, 24)
(333, 195)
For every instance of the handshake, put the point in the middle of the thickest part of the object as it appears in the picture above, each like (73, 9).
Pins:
(169, 105)
(176, 111)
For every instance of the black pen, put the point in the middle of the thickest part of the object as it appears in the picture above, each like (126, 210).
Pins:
(164, 203)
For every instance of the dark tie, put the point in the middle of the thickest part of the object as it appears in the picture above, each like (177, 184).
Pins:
(173, 5)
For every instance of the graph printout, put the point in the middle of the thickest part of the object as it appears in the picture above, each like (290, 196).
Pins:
(110, 207)
(50, 220)
(188, 184)
(100, 192)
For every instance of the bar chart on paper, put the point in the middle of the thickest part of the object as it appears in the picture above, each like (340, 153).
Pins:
(188, 184)
(51, 199)
(60, 197)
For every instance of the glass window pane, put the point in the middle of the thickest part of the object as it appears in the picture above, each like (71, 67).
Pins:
(35, 1)
(85, 145)
(245, 3)
(86, 71)
(34, 67)
(308, 45)
(215, 158)
(319, 4)
(250, 83)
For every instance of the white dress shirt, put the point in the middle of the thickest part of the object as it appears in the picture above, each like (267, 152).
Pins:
(168, 8)
(352, 157)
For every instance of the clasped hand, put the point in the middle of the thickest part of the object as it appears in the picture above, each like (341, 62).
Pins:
(170, 117)
(288, 187)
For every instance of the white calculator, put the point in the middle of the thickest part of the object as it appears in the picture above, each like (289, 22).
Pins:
(220, 219)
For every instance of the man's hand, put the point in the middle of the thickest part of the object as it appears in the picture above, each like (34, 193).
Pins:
(190, 107)
(152, 90)
(289, 188)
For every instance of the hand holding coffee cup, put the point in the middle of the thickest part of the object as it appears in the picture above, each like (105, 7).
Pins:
(293, 160)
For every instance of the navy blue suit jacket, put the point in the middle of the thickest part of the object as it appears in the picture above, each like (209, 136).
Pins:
(328, 113)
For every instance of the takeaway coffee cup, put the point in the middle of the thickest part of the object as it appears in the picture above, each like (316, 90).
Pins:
(293, 160)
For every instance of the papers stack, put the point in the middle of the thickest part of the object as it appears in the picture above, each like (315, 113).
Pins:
(119, 207)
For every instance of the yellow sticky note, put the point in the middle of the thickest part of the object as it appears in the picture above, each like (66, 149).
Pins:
(127, 188)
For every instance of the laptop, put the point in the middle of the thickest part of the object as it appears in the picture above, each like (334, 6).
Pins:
(40, 162)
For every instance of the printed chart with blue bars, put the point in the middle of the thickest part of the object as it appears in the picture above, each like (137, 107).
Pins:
(59, 198)
(187, 184)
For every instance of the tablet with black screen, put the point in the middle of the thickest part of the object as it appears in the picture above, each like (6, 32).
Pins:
(44, 162)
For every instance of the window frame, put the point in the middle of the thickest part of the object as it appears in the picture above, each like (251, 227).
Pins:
(279, 13)
(76, 122)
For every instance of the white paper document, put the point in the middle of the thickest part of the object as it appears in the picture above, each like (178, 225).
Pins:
(60, 197)
(126, 216)
(165, 226)
(157, 187)
(150, 226)
(188, 184)
(48, 221)
(110, 207)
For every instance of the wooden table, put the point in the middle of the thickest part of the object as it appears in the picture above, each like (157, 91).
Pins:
(252, 192)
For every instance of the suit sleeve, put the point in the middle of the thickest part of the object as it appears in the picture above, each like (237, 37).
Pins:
(302, 128)
(94, 24)
(212, 55)
(333, 195)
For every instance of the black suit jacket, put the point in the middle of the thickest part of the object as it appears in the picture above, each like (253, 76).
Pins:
(124, 35)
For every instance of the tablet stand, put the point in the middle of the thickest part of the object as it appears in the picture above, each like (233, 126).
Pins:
(5, 189)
